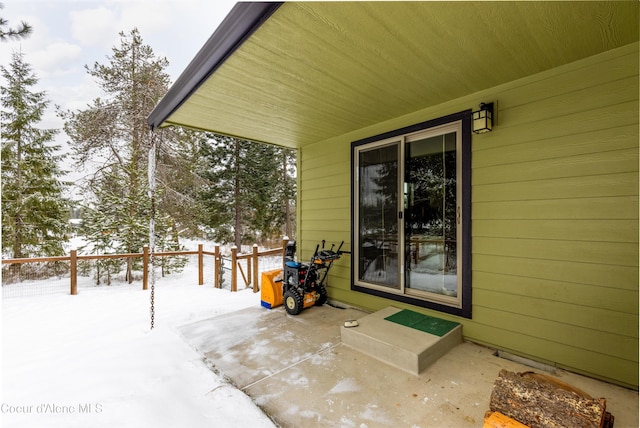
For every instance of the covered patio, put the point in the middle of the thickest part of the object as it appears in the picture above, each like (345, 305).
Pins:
(301, 374)
(548, 199)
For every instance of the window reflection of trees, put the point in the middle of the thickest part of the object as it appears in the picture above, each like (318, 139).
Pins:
(378, 215)
(430, 228)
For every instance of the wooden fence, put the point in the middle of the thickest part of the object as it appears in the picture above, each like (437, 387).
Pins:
(250, 277)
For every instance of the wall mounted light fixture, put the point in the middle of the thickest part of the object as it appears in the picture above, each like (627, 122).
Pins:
(483, 118)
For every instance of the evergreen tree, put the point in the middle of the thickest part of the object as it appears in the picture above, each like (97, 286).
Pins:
(99, 230)
(249, 189)
(114, 130)
(178, 181)
(219, 198)
(7, 32)
(34, 211)
(167, 241)
(285, 189)
(276, 192)
(271, 191)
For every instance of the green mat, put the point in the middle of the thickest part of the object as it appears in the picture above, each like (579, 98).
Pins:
(431, 325)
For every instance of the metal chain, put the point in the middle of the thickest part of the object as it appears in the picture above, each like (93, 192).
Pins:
(153, 309)
(152, 222)
(152, 266)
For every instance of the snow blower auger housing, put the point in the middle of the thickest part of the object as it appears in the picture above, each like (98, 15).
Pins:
(303, 285)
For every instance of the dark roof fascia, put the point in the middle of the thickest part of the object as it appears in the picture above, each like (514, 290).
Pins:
(237, 26)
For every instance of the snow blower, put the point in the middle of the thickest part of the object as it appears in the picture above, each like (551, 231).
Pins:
(299, 285)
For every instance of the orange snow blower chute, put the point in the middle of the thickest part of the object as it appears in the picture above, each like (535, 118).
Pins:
(271, 292)
(299, 285)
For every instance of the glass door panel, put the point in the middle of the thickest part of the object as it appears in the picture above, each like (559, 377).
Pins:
(431, 215)
(378, 216)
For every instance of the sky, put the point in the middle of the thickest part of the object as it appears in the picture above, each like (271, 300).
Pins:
(69, 34)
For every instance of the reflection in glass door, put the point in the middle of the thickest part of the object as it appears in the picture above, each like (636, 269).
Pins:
(412, 215)
(378, 215)
(431, 215)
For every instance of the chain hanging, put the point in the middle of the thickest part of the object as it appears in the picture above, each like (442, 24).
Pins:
(152, 223)
(153, 310)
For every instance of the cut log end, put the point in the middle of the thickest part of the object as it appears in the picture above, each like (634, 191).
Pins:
(540, 401)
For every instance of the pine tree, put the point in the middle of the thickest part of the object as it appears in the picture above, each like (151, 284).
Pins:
(7, 32)
(178, 181)
(34, 211)
(166, 241)
(249, 189)
(218, 196)
(286, 189)
(114, 130)
(99, 230)
(271, 188)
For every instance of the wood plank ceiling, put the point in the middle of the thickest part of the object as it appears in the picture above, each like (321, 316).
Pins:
(315, 70)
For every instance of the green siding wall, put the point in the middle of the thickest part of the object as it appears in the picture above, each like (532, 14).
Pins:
(554, 215)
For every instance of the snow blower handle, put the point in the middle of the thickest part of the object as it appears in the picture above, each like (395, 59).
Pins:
(340, 252)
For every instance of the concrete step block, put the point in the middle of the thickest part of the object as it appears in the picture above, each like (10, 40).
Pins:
(404, 347)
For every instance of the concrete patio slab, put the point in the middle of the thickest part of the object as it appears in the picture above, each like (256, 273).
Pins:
(300, 373)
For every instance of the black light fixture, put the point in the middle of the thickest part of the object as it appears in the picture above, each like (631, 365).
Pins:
(483, 118)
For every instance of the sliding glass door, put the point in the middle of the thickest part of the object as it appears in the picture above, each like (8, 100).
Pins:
(409, 215)
(378, 177)
(430, 212)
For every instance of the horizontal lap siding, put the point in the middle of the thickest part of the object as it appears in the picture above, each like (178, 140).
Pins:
(555, 221)
(554, 216)
(325, 203)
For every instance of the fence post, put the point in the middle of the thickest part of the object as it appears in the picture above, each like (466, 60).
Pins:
(145, 267)
(200, 265)
(216, 266)
(73, 271)
(234, 269)
(256, 287)
(249, 272)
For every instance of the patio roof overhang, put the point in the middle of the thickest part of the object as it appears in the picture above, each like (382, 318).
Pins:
(301, 72)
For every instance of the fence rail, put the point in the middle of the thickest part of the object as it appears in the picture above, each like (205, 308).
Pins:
(250, 276)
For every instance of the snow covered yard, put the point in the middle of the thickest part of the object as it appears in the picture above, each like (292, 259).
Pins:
(92, 360)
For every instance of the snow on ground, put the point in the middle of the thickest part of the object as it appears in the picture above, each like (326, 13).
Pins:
(91, 360)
